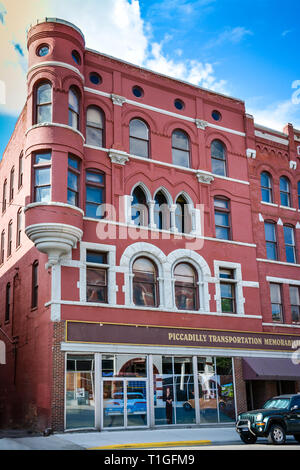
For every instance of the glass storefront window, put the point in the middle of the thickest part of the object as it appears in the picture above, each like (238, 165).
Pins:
(123, 365)
(207, 383)
(173, 390)
(80, 386)
(226, 389)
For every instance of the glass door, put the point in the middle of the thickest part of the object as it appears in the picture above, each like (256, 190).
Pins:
(125, 403)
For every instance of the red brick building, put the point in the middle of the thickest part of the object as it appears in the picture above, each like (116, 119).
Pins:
(149, 266)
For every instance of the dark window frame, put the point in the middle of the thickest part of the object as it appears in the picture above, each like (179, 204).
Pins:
(293, 246)
(228, 280)
(272, 243)
(154, 283)
(77, 172)
(133, 139)
(98, 267)
(296, 306)
(41, 105)
(93, 125)
(223, 210)
(186, 151)
(218, 159)
(37, 166)
(7, 302)
(2, 246)
(9, 238)
(179, 285)
(280, 304)
(268, 189)
(4, 196)
(21, 171)
(100, 186)
(71, 110)
(19, 228)
(34, 284)
(285, 193)
(12, 184)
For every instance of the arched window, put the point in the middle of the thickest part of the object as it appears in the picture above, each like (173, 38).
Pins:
(218, 158)
(186, 297)
(266, 187)
(180, 214)
(94, 126)
(285, 192)
(43, 101)
(19, 227)
(161, 212)
(222, 218)
(138, 138)
(34, 284)
(145, 286)
(180, 148)
(4, 195)
(139, 208)
(74, 108)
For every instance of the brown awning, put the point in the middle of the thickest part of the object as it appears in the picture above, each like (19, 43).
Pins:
(262, 368)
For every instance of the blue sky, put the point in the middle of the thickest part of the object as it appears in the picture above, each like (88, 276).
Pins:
(245, 49)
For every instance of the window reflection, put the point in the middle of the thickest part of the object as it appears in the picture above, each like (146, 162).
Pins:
(145, 289)
(80, 386)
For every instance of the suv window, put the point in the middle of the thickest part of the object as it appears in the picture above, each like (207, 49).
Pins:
(278, 403)
(295, 401)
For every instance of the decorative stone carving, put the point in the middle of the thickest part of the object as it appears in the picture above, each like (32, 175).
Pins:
(251, 153)
(118, 157)
(205, 178)
(201, 124)
(118, 100)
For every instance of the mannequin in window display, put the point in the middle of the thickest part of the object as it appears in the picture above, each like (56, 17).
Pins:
(168, 398)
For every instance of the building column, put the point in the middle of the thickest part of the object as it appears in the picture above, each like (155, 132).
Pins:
(240, 386)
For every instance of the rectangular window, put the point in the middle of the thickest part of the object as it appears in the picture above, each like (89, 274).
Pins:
(9, 239)
(19, 227)
(35, 285)
(295, 303)
(96, 277)
(73, 180)
(2, 247)
(20, 178)
(222, 218)
(42, 177)
(11, 189)
(276, 303)
(289, 242)
(94, 194)
(271, 243)
(228, 290)
(7, 302)
(80, 392)
(4, 196)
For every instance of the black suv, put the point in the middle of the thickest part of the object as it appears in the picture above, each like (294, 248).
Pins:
(280, 416)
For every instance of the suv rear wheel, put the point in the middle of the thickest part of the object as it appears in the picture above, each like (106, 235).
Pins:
(276, 434)
(248, 438)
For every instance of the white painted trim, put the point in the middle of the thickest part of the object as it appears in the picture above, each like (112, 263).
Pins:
(282, 325)
(273, 138)
(170, 165)
(288, 208)
(152, 309)
(169, 350)
(269, 204)
(237, 281)
(278, 262)
(164, 111)
(55, 63)
(282, 280)
(59, 204)
(259, 126)
(55, 124)
(185, 235)
(111, 272)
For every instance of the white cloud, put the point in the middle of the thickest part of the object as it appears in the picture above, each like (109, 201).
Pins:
(277, 115)
(114, 27)
(230, 35)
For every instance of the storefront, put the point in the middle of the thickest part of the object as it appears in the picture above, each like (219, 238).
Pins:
(135, 376)
(129, 391)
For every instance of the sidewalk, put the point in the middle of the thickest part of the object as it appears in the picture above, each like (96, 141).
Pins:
(113, 440)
